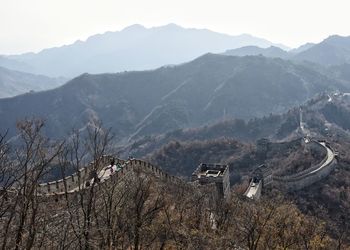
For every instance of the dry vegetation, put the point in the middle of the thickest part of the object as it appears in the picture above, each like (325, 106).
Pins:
(138, 211)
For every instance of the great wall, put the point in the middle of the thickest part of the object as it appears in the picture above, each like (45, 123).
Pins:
(83, 178)
(298, 180)
(78, 181)
(301, 179)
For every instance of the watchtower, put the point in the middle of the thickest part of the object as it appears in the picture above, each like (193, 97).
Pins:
(217, 174)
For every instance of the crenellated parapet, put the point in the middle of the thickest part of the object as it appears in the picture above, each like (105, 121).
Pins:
(298, 180)
(311, 175)
(217, 174)
(154, 170)
(83, 179)
(78, 181)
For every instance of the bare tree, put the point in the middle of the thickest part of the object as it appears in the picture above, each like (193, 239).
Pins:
(31, 161)
(83, 147)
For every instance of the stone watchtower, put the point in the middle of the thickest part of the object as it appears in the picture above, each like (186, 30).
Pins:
(216, 174)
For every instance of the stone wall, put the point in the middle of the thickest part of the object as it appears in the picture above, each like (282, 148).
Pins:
(307, 177)
(76, 182)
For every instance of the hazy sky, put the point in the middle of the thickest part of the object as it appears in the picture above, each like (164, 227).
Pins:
(32, 25)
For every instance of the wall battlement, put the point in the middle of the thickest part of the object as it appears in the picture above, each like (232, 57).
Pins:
(311, 175)
(77, 181)
(213, 173)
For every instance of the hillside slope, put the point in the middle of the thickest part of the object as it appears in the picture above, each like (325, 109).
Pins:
(323, 116)
(14, 83)
(334, 50)
(208, 89)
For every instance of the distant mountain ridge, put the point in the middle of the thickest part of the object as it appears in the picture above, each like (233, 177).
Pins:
(335, 50)
(203, 91)
(271, 51)
(133, 48)
(14, 83)
(13, 64)
(140, 48)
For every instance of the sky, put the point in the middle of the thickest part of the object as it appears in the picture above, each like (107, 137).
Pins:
(33, 25)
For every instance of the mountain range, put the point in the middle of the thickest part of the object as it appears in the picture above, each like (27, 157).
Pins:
(133, 48)
(333, 51)
(140, 48)
(242, 83)
(203, 91)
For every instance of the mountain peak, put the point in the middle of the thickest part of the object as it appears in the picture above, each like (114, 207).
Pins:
(172, 25)
(134, 27)
(333, 37)
(337, 40)
(169, 27)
